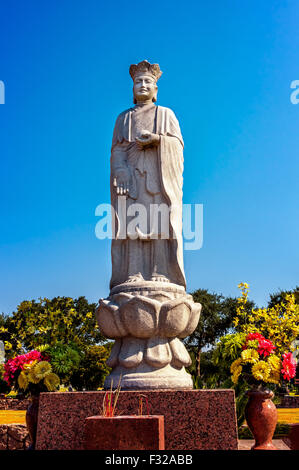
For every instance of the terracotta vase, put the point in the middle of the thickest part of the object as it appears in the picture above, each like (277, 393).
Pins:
(31, 420)
(261, 417)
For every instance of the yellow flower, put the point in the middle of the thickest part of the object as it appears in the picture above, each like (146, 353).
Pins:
(235, 379)
(23, 380)
(275, 365)
(42, 348)
(29, 365)
(274, 362)
(274, 376)
(253, 343)
(32, 377)
(250, 355)
(41, 369)
(235, 365)
(51, 381)
(261, 370)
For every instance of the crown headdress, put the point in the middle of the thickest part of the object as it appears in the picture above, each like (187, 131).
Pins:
(145, 67)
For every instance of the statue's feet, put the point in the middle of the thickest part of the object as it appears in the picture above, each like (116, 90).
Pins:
(136, 278)
(159, 278)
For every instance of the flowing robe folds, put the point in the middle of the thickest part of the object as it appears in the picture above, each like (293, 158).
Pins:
(155, 178)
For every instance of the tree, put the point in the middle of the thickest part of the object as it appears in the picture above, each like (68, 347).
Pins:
(278, 323)
(4, 387)
(279, 296)
(92, 370)
(211, 375)
(215, 321)
(66, 330)
(10, 342)
(46, 322)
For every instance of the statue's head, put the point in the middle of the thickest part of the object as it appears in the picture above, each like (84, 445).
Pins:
(145, 77)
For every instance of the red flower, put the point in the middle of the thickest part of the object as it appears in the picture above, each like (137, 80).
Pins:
(265, 347)
(253, 336)
(288, 369)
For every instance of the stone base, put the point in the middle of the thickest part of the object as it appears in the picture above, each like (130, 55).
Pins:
(247, 444)
(143, 378)
(147, 288)
(148, 320)
(124, 433)
(14, 437)
(193, 419)
(292, 440)
(289, 401)
(14, 404)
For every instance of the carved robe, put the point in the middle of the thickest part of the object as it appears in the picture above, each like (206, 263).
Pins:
(155, 178)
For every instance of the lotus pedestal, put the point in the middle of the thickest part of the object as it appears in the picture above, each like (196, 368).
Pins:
(148, 321)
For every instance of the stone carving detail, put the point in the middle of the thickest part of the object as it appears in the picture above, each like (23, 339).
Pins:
(148, 311)
(157, 325)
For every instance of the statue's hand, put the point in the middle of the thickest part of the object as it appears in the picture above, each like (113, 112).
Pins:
(147, 139)
(121, 181)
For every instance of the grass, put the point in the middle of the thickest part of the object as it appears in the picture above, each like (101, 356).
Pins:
(288, 415)
(285, 416)
(281, 430)
(12, 417)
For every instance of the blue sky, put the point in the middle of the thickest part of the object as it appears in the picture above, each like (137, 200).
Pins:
(227, 65)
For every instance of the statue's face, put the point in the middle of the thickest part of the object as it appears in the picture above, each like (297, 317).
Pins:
(144, 88)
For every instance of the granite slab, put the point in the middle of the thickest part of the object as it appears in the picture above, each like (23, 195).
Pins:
(246, 444)
(124, 433)
(193, 419)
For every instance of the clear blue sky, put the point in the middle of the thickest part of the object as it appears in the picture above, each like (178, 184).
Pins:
(227, 69)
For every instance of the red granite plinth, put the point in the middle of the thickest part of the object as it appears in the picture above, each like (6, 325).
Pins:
(247, 444)
(193, 419)
(292, 440)
(124, 433)
(289, 401)
(14, 404)
(14, 437)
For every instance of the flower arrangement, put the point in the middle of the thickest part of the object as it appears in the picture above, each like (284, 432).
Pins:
(258, 364)
(280, 323)
(30, 373)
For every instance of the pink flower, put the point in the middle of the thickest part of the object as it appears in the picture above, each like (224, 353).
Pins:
(288, 369)
(265, 347)
(15, 365)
